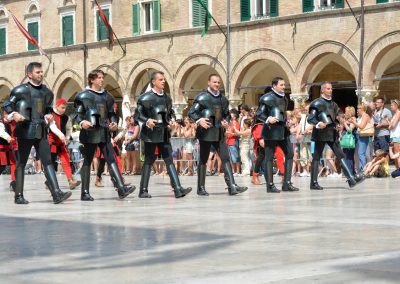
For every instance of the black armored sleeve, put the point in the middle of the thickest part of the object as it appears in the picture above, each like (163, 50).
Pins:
(80, 110)
(15, 95)
(140, 115)
(195, 110)
(262, 110)
(313, 113)
(49, 101)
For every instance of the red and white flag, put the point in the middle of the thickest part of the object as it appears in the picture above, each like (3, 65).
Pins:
(27, 35)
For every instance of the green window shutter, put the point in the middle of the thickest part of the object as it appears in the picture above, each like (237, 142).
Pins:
(382, 1)
(68, 30)
(339, 4)
(198, 13)
(274, 8)
(156, 16)
(136, 19)
(33, 29)
(308, 6)
(2, 41)
(102, 31)
(245, 10)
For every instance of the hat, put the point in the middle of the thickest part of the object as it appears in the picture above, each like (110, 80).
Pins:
(61, 102)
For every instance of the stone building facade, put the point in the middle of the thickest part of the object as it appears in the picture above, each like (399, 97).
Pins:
(306, 42)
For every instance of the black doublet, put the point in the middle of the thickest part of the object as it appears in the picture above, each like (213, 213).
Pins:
(273, 105)
(326, 111)
(216, 109)
(97, 108)
(153, 106)
(33, 103)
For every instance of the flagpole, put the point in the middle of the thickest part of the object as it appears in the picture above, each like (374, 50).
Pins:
(123, 49)
(228, 49)
(361, 59)
(212, 17)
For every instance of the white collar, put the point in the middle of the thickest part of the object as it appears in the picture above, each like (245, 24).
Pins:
(279, 94)
(322, 96)
(33, 84)
(211, 92)
(99, 92)
(158, 94)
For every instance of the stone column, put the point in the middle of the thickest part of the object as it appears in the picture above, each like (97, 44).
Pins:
(178, 109)
(299, 98)
(367, 95)
(234, 102)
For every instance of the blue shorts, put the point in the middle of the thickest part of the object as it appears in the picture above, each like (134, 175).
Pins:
(234, 154)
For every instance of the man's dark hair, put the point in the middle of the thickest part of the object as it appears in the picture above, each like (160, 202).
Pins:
(213, 75)
(380, 98)
(276, 80)
(93, 75)
(153, 76)
(33, 65)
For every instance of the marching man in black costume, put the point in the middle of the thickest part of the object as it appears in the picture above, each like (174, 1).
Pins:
(272, 110)
(154, 111)
(210, 110)
(94, 111)
(324, 114)
(30, 105)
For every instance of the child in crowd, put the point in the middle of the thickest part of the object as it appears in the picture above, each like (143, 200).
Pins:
(379, 166)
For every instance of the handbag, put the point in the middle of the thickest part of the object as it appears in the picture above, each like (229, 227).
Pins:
(367, 131)
(348, 141)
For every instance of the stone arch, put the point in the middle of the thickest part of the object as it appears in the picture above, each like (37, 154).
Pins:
(5, 88)
(321, 54)
(247, 71)
(380, 55)
(134, 86)
(113, 73)
(193, 62)
(32, 7)
(63, 76)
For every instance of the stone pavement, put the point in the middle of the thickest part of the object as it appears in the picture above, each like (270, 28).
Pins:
(330, 236)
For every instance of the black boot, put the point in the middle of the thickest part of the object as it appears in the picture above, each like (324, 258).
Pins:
(269, 178)
(233, 188)
(19, 186)
(314, 176)
(176, 184)
(58, 195)
(12, 185)
(123, 190)
(287, 184)
(85, 178)
(351, 180)
(201, 180)
(144, 182)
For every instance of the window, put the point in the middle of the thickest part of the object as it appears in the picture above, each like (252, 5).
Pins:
(33, 29)
(101, 31)
(198, 13)
(312, 5)
(254, 9)
(67, 26)
(149, 12)
(3, 38)
(382, 1)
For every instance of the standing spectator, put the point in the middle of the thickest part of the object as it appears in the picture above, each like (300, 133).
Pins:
(365, 132)
(245, 134)
(132, 145)
(382, 133)
(244, 114)
(189, 132)
(233, 142)
(348, 126)
(303, 136)
(394, 127)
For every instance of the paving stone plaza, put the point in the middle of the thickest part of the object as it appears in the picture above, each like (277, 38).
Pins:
(331, 236)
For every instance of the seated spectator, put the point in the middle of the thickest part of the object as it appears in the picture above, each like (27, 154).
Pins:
(379, 166)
